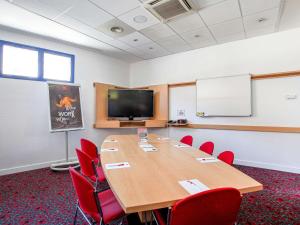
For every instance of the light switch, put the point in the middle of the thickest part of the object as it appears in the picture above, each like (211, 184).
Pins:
(291, 96)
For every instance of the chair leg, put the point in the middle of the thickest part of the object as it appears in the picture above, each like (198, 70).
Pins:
(76, 212)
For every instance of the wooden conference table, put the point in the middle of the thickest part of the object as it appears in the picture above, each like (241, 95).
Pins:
(151, 181)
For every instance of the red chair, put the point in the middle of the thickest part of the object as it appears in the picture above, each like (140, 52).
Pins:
(88, 168)
(227, 156)
(101, 208)
(213, 207)
(207, 147)
(90, 149)
(188, 140)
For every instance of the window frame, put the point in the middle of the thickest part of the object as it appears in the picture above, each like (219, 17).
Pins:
(40, 52)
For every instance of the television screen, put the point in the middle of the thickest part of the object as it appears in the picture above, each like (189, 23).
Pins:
(130, 103)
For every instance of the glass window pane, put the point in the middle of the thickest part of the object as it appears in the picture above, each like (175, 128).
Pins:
(20, 61)
(57, 67)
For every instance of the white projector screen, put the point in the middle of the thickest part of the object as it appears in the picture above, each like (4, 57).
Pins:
(224, 96)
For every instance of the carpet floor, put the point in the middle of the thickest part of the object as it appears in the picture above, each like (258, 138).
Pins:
(46, 197)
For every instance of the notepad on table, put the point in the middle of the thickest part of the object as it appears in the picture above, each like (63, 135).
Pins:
(109, 149)
(181, 146)
(193, 186)
(207, 160)
(163, 138)
(120, 165)
(110, 141)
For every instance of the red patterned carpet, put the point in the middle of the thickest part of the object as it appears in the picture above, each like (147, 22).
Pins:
(45, 197)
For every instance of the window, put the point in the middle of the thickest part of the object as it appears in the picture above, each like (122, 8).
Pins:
(57, 67)
(20, 61)
(27, 62)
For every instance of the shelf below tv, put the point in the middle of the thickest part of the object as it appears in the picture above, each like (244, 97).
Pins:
(130, 123)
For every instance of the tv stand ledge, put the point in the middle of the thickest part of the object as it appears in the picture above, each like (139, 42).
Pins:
(130, 123)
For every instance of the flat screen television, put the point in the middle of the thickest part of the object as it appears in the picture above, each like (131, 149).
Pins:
(130, 103)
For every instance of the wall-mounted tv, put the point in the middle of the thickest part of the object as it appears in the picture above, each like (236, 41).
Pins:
(130, 103)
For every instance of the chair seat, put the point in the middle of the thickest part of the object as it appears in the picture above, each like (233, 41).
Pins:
(161, 216)
(110, 207)
(101, 176)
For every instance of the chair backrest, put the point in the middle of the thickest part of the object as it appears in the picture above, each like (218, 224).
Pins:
(188, 140)
(213, 207)
(227, 156)
(86, 194)
(207, 147)
(87, 165)
(89, 148)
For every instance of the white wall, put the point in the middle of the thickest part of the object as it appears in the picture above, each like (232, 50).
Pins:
(271, 53)
(25, 141)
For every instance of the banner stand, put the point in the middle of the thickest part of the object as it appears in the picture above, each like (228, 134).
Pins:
(63, 166)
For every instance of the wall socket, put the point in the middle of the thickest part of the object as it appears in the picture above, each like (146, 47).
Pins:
(180, 112)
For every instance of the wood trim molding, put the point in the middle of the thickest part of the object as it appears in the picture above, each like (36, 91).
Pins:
(243, 128)
(275, 75)
(191, 83)
(253, 77)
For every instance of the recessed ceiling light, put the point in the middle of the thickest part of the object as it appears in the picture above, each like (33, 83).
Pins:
(117, 29)
(197, 35)
(261, 20)
(151, 48)
(140, 19)
(135, 40)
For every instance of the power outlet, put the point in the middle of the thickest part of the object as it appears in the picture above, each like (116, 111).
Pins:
(181, 113)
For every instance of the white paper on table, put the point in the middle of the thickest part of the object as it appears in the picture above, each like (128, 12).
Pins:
(110, 141)
(163, 138)
(181, 146)
(120, 165)
(145, 145)
(193, 186)
(109, 149)
(152, 149)
(207, 160)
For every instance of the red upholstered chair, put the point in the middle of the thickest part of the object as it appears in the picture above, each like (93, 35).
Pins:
(101, 208)
(188, 140)
(227, 156)
(90, 149)
(207, 147)
(213, 207)
(88, 168)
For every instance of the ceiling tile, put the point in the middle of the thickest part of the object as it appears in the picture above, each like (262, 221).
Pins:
(291, 15)
(130, 16)
(227, 28)
(231, 37)
(153, 49)
(117, 7)
(82, 28)
(106, 28)
(203, 43)
(89, 14)
(198, 35)
(204, 3)
(135, 39)
(39, 8)
(260, 31)
(158, 31)
(226, 10)
(187, 23)
(60, 5)
(255, 6)
(174, 44)
(268, 17)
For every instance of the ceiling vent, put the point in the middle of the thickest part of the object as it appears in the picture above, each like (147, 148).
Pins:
(168, 9)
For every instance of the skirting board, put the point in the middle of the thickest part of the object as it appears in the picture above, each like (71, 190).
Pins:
(270, 166)
(28, 167)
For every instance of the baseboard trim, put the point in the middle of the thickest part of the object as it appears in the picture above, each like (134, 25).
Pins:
(33, 166)
(270, 166)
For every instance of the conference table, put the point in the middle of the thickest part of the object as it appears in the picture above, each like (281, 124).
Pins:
(152, 180)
